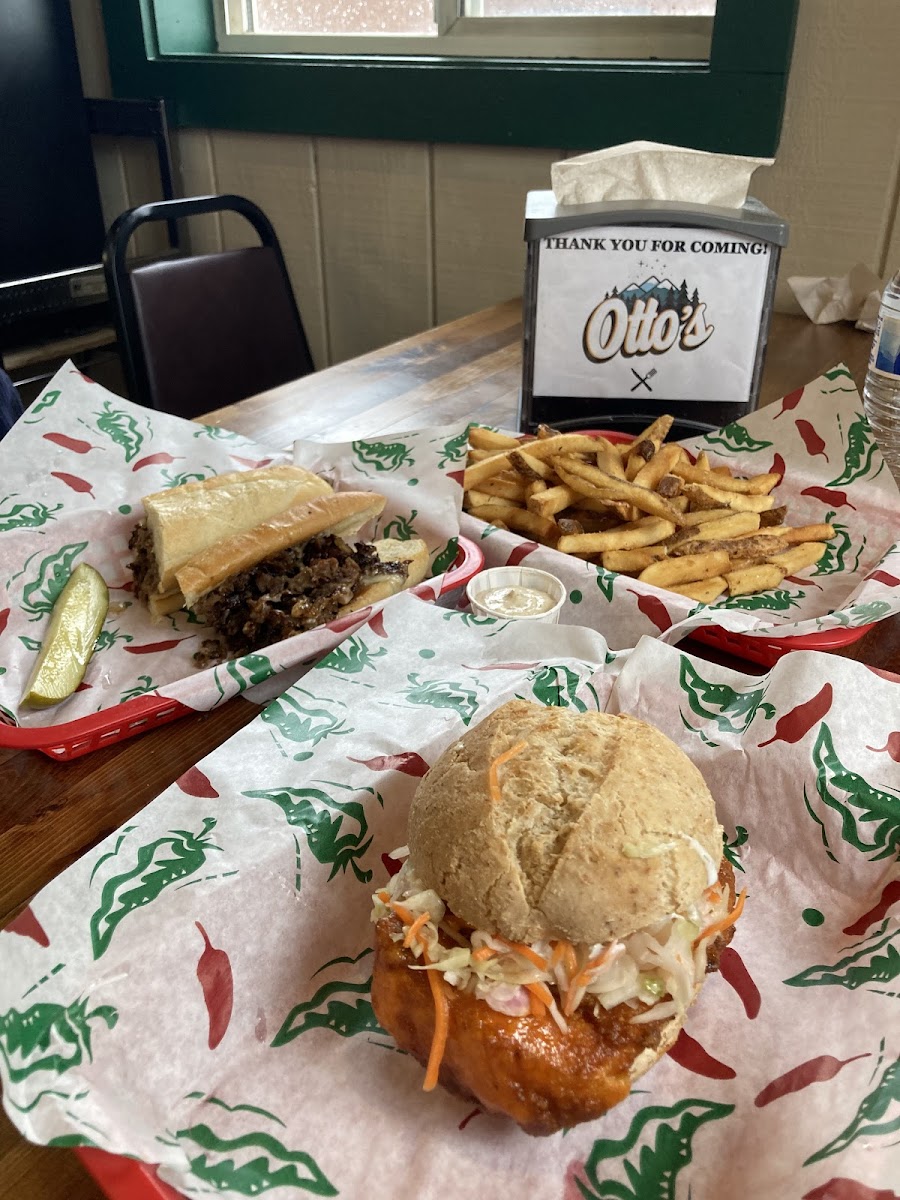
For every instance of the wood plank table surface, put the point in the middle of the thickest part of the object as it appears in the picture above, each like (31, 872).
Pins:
(51, 813)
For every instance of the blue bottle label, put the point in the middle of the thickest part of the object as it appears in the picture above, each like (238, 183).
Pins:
(885, 358)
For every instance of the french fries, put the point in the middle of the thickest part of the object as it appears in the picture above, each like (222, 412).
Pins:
(703, 495)
(520, 520)
(756, 485)
(530, 467)
(798, 557)
(731, 526)
(706, 591)
(630, 562)
(701, 515)
(612, 488)
(644, 532)
(507, 488)
(641, 508)
(689, 569)
(488, 439)
(662, 463)
(758, 578)
(808, 533)
(739, 549)
(551, 500)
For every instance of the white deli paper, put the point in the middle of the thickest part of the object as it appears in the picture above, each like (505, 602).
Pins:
(654, 171)
(195, 991)
(818, 439)
(73, 471)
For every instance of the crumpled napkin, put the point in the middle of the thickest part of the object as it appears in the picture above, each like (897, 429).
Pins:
(854, 297)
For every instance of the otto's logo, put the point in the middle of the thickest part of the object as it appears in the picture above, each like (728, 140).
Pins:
(646, 318)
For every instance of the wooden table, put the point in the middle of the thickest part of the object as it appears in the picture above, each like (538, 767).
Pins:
(51, 813)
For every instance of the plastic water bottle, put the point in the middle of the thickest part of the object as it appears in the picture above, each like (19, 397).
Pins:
(881, 391)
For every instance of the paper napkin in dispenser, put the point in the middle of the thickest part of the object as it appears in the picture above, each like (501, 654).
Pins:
(653, 171)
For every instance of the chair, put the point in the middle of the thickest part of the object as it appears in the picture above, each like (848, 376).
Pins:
(201, 332)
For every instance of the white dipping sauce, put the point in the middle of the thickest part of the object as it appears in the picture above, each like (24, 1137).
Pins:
(516, 601)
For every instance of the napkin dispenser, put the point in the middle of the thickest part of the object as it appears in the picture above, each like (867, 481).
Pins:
(641, 307)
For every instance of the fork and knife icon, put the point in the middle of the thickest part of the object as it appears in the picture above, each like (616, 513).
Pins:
(642, 379)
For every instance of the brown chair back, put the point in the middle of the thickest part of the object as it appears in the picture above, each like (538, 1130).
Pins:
(202, 332)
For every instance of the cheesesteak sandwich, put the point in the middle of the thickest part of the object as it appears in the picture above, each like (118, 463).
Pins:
(293, 572)
(564, 895)
(181, 522)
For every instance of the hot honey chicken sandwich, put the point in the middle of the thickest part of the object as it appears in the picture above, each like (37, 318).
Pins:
(262, 559)
(564, 896)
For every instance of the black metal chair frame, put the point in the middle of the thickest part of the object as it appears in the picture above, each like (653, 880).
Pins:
(118, 277)
(139, 119)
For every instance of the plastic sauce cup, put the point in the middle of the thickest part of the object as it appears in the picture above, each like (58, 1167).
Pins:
(514, 577)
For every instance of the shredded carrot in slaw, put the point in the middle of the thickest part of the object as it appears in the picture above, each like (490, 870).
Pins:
(540, 992)
(438, 993)
(493, 778)
(441, 1024)
(482, 954)
(719, 926)
(413, 932)
(525, 951)
(403, 913)
(570, 959)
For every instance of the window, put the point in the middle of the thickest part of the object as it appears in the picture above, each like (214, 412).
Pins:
(729, 99)
(584, 29)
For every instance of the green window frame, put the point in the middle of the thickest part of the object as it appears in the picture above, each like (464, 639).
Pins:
(731, 103)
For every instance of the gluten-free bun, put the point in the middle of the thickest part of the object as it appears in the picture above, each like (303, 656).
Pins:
(185, 520)
(341, 513)
(591, 837)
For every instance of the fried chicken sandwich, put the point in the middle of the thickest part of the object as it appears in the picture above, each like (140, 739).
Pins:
(564, 895)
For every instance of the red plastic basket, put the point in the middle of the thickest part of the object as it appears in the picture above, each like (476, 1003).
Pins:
(767, 650)
(71, 739)
(123, 1178)
(763, 650)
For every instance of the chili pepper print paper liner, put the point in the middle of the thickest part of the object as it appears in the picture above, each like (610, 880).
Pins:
(72, 474)
(195, 991)
(818, 439)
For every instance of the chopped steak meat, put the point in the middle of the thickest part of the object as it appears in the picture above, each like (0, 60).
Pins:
(288, 593)
(144, 567)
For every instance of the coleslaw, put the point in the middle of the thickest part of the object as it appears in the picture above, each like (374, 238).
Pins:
(655, 971)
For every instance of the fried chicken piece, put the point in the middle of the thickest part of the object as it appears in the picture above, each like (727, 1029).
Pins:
(522, 1067)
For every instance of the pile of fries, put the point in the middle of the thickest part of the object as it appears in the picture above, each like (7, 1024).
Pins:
(642, 509)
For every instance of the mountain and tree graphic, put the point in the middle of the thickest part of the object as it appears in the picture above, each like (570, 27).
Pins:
(663, 291)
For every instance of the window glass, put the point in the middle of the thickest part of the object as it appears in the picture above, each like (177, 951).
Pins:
(344, 16)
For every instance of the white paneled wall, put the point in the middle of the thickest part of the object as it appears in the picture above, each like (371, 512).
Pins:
(383, 239)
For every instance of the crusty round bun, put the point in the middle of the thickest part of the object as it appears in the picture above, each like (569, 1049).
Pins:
(341, 513)
(589, 839)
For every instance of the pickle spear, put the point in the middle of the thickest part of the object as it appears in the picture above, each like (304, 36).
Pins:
(77, 619)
